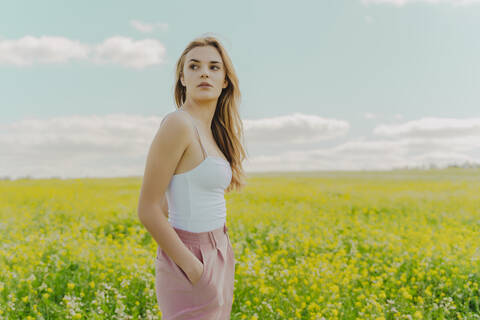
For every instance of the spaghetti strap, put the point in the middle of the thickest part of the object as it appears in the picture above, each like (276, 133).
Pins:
(196, 130)
(200, 140)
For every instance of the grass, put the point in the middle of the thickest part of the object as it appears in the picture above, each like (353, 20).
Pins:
(319, 245)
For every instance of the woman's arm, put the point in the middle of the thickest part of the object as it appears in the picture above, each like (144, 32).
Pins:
(167, 148)
(165, 205)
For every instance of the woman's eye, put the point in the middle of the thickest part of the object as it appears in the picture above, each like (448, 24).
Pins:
(193, 65)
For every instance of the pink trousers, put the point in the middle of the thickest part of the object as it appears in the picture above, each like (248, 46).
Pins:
(211, 297)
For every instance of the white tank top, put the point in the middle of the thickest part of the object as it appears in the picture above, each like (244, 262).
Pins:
(196, 198)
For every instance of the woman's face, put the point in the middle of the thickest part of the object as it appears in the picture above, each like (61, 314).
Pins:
(203, 64)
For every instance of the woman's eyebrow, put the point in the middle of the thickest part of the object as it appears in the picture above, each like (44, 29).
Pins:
(199, 61)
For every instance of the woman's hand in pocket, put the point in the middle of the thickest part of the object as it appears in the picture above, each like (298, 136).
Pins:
(197, 272)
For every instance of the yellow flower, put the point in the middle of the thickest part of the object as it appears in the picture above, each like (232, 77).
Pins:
(298, 313)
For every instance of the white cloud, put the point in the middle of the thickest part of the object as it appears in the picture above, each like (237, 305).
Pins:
(369, 115)
(359, 154)
(76, 145)
(295, 128)
(130, 53)
(432, 127)
(400, 3)
(45, 49)
(418, 143)
(117, 145)
(148, 27)
(124, 51)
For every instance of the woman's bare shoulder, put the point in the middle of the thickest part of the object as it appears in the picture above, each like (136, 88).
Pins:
(166, 149)
(174, 119)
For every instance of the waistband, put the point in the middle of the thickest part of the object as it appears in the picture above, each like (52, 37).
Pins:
(212, 237)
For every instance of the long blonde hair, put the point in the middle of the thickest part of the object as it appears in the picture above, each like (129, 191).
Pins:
(227, 127)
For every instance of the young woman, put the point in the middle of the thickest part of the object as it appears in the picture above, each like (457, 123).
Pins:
(195, 157)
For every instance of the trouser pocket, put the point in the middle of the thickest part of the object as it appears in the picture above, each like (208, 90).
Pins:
(164, 264)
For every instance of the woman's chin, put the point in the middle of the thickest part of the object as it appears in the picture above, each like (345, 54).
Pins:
(205, 97)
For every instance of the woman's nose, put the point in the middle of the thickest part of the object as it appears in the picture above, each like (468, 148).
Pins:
(205, 72)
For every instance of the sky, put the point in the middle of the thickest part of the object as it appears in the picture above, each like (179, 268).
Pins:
(326, 85)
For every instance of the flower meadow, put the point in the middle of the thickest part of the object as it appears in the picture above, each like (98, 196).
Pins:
(318, 245)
